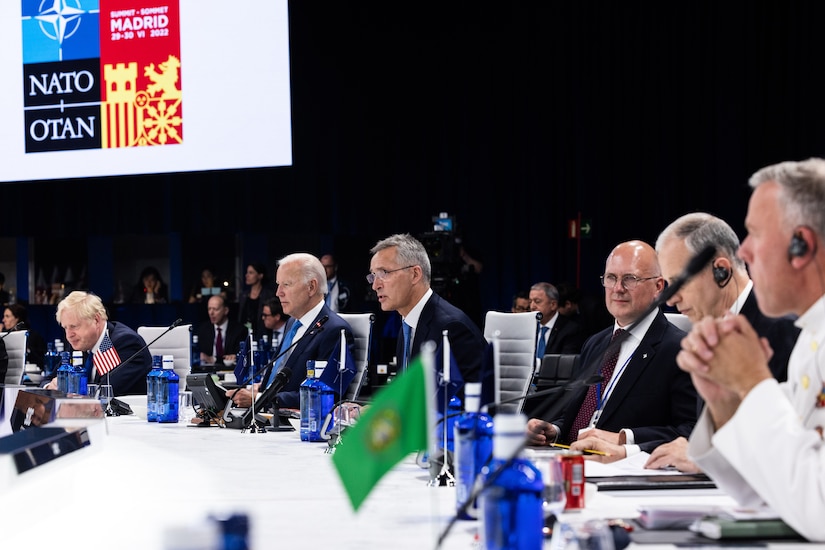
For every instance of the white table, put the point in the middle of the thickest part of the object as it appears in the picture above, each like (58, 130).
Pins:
(143, 477)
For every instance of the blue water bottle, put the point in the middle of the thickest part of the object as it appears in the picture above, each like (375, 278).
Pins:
(152, 379)
(317, 400)
(78, 379)
(510, 507)
(473, 449)
(167, 393)
(50, 362)
(63, 371)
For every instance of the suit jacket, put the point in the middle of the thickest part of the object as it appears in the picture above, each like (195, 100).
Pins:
(129, 378)
(235, 334)
(565, 337)
(653, 397)
(466, 340)
(315, 347)
(780, 332)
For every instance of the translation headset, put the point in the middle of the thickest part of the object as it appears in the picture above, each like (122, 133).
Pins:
(722, 275)
(798, 247)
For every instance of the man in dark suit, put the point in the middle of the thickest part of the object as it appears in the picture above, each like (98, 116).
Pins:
(400, 272)
(232, 333)
(557, 333)
(646, 400)
(313, 328)
(86, 322)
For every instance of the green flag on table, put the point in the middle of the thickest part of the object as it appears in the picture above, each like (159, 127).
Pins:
(393, 426)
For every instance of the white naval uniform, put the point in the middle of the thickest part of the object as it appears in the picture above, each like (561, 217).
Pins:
(772, 451)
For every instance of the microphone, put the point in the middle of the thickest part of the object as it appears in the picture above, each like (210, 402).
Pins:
(694, 266)
(317, 327)
(18, 326)
(492, 408)
(243, 422)
(138, 352)
(279, 383)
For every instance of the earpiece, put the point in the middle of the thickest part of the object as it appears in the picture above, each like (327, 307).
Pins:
(721, 275)
(798, 247)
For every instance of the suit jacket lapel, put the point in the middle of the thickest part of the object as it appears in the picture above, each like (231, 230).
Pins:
(635, 368)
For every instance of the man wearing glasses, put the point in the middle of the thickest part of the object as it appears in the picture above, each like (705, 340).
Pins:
(644, 399)
(400, 274)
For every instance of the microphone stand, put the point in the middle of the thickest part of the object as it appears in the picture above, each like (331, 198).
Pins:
(444, 478)
(109, 411)
(254, 427)
(269, 393)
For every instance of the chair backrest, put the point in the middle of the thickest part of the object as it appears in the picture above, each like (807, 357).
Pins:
(16, 349)
(516, 335)
(680, 320)
(177, 343)
(557, 369)
(361, 324)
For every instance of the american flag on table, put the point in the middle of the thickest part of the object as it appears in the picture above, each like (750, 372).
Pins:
(106, 357)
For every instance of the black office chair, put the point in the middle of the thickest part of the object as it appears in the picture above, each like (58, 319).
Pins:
(557, 369)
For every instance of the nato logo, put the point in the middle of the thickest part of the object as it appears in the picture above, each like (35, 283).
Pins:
(60, 30)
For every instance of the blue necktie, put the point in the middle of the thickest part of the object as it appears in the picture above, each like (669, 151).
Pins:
(284, 346)
(328, 297)
(407, 342)
(542, 344)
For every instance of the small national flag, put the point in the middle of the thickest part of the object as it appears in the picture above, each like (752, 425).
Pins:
(241, 372)
(446, 390)
(106, 357)
(336, 378)
(394, 425)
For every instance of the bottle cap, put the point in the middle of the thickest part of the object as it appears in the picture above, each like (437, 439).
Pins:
(509, 434)
(168, 361)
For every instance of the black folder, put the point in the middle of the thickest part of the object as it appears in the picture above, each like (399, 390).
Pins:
(647, 483)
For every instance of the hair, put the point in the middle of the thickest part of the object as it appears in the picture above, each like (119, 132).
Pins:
(699, 230)
(523, 294)
(568, 293)
(408, 251)
(150, 270)
(19, 311)
(802, 190)
(310, 268)
(85, 305)
(2, 278)
(260, 268)
(549, 290)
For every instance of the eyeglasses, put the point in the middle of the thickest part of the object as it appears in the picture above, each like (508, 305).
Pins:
(629, 282)
(267, 315)
(382, 274)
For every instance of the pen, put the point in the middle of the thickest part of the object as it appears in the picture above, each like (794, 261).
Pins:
(585, 451)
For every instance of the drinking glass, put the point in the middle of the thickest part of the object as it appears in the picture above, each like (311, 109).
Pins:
(91, 390)
(554, 495)
(186, 409)
(105, 394)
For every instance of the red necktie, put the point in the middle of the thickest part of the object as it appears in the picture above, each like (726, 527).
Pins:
(591, 401)
(218, 345)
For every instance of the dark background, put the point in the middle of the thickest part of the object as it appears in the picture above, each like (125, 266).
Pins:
(515, 118)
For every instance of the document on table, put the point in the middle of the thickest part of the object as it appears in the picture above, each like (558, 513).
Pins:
(632, 465)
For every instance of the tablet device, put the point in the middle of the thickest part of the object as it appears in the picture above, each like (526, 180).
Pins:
(206, 391)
